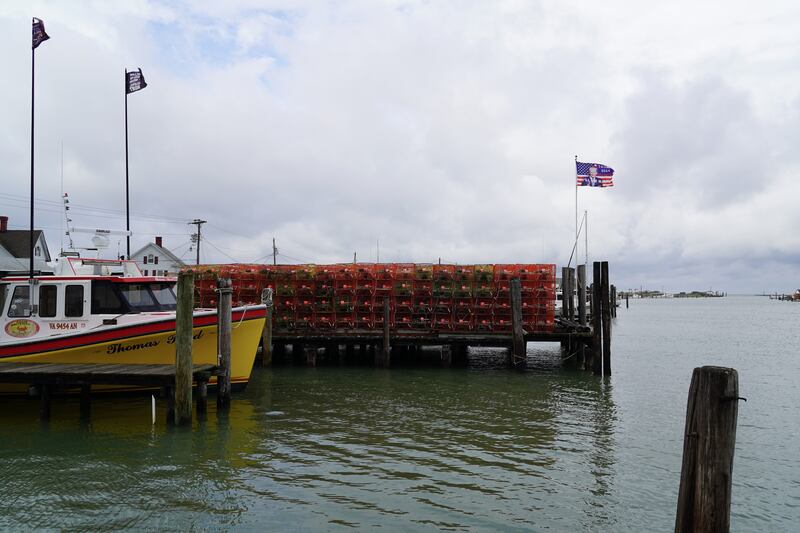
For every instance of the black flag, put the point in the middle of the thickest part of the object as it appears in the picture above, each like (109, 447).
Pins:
(134, 81)
(39, 35)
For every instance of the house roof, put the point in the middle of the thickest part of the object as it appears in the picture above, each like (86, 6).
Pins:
(161, 250)
(17, 242)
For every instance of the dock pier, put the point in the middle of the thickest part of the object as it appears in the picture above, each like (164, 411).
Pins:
(583, 331)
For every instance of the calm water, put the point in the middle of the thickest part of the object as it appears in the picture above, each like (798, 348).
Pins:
(480, 448)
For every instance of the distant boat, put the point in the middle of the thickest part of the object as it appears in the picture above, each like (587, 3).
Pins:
(106, 311)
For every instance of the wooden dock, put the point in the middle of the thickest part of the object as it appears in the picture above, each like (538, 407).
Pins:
(584, 333)
(49, 378)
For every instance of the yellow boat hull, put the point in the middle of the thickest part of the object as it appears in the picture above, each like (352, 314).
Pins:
(149, 344)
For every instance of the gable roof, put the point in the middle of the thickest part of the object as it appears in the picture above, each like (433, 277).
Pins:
(160, 249)
(17, 242)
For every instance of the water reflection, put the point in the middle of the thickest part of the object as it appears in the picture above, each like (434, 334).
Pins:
(477, 447)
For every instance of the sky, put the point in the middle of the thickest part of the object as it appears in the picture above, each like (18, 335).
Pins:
(418, 130)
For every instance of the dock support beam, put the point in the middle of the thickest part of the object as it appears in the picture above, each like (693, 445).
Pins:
(183, 349)
(384, 358)
(266, 334)
(224, 339)
(607, 303)
(704, 496)
(581, 312)
(597, 321)
(518, 354)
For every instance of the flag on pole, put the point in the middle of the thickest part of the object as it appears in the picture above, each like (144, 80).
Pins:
(134, 81)
(39, 35)
(594, 175)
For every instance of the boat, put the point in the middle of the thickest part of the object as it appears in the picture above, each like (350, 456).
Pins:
(107, 311)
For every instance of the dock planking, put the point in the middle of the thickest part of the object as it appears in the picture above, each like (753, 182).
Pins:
(76, 374)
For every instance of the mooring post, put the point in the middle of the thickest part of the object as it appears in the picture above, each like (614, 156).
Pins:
(518, 345)
(704, 496)
(572, 290)
(446, 356)
(564, 291)
(627, 303)
(224, 339)
(597, 320)
(266, 334)
(384, 359)
(581, 271)
(613, 302)
(607, 303)
(183, 348)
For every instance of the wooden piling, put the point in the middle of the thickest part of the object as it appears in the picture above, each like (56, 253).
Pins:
(267, 350)
(564, 291)
(613, 302)
(704, 496)
(183, 348)
(606, 305)
(446, 356)
(383, 359)
(571, 300)
(224, 339)
(518, 345)
(597, 320)
(581, 280)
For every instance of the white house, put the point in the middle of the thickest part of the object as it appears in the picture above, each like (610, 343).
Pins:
(155, 260)
(15, 253)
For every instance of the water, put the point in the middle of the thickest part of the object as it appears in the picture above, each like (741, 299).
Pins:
(480, 448)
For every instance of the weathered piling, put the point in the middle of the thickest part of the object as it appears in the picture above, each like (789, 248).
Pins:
(383, 357)
(597, 320)
(582, 294)
(607, 306)
(704, 496)
(518, 344)
(310, 351)
(581, 279)
(613, 302)
(224, 339)
(627, 303)
(266, 334)
(565, 290)
(183, 348)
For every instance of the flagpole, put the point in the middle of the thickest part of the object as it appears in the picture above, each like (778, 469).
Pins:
(576, 203)
(127, 194)
(586, 236)
(33, 71)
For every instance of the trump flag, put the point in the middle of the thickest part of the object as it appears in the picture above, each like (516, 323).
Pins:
(594, 175)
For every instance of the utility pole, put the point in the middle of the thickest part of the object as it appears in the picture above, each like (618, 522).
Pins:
(274, 253)
(196, 237)
(354, 258)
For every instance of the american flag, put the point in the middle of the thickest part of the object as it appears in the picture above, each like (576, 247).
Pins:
(594, 175)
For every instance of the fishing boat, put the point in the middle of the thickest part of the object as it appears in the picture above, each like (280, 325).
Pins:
(106, 311)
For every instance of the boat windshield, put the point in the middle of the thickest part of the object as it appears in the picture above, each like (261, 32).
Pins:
(122, 298)
(148, 296)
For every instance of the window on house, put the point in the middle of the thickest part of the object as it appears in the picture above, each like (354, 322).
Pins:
(144, 260)
(145, 272)
(150, 258)
(20, 302)
(156, 258)
(47, 300)
(37, 251)
(73, 301)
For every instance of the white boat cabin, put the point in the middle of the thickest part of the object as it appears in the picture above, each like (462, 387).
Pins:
(83, 295)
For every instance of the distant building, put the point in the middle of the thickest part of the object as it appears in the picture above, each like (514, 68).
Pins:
(155, 260)
(15, 253)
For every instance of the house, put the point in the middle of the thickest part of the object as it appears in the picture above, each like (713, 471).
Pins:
(155, 260)
(15, 250)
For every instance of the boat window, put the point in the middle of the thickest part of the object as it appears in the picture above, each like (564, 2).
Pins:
(137, 296)
(164, 296)
(48, 300)
(3, 288)
(20, 302)
(105, 300)
(73, 301)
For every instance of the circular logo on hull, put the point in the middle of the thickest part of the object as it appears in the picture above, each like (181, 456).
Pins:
(22, 328)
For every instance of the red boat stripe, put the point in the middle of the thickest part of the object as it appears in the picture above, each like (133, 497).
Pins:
(122, 333)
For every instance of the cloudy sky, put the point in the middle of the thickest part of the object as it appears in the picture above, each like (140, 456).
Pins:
(438, 129)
